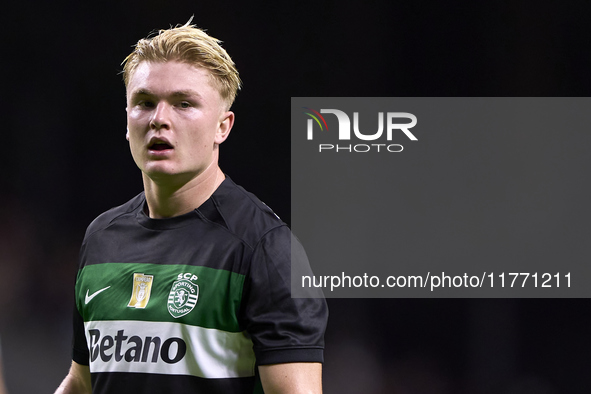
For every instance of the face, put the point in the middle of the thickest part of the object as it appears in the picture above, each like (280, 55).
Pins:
(176, 119)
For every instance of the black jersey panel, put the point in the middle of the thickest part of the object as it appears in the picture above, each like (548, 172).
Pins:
(273, 318)
(298, 355)
(141, 383)
(80, 352)
(210, 211)
(245, 215)
(198, 242)
(106, 218)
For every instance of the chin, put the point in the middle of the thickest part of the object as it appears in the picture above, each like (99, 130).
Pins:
(160, 170)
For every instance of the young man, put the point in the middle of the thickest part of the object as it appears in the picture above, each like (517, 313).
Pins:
(186, 287)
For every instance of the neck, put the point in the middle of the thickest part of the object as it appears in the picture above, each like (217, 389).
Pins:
(167, 199)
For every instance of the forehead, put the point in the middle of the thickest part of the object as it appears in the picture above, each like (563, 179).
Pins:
(171, 76)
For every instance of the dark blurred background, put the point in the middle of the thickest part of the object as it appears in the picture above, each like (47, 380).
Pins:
(66, 160)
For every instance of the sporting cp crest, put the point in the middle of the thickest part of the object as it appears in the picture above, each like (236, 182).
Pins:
(183, 295)
(140, 294)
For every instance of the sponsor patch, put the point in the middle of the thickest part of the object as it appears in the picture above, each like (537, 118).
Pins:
(140, 294)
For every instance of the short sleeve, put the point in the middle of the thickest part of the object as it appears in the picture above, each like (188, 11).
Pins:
(283, 329)
(80, 352)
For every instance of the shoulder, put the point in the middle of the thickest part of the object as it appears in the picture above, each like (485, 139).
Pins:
(244, 214)
(105, 219)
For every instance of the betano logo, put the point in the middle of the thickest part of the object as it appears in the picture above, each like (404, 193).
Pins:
(138, 349)
(344, 133)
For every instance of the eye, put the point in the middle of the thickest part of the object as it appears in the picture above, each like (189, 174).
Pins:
(184, 104)
(146, 104)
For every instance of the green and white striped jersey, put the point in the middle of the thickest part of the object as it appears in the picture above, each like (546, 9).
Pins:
(191, 304)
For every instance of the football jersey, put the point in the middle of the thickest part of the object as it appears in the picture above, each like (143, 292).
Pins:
(193, 303)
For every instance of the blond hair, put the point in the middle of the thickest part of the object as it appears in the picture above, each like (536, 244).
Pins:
(191, 45)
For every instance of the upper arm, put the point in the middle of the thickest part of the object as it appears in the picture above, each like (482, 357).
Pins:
(287, 333)
(283, 329)
(291, 378)
(77, 381)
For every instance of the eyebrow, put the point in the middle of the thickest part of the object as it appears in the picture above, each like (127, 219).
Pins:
(178, 93)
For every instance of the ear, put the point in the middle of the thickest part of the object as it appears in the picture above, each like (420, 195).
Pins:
(226, 123)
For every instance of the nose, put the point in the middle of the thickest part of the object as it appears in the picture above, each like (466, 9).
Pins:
(160, 117)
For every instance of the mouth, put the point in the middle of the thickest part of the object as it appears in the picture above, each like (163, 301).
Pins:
(159, 145)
